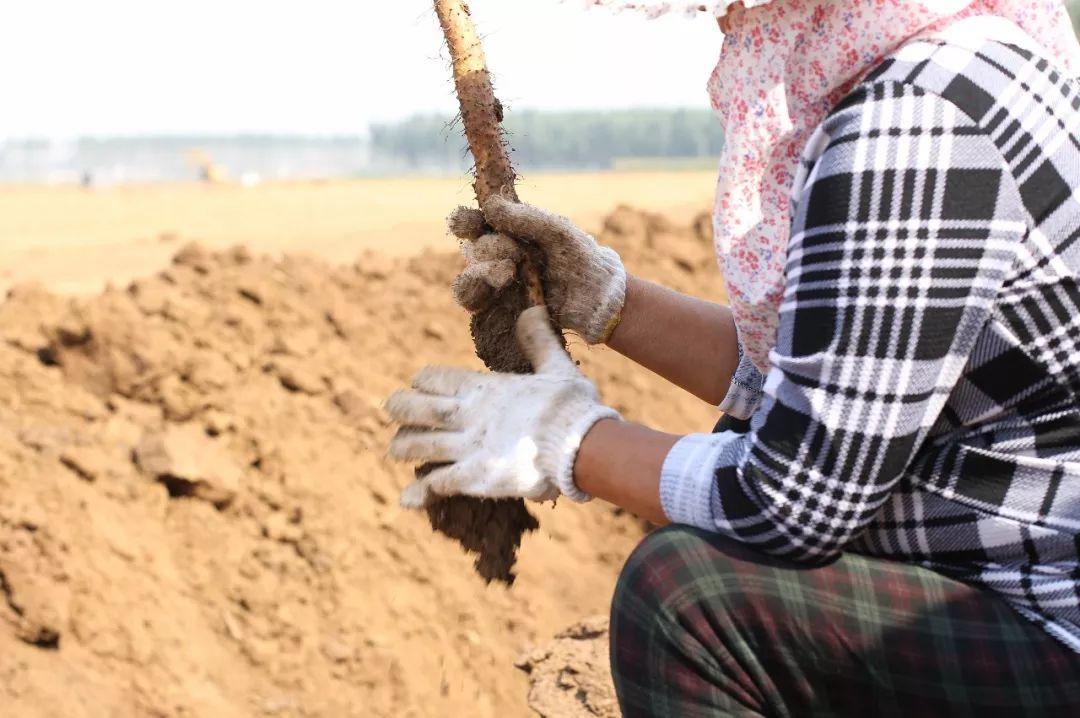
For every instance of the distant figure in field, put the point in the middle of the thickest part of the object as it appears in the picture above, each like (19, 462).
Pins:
(209, 171)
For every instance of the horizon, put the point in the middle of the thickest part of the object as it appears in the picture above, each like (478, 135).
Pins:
(316, 136)
(422, 145)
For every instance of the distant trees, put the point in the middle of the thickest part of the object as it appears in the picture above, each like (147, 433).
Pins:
(564, 140)
(555, 140)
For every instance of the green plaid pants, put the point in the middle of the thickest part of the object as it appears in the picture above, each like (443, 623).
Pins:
(702, 626)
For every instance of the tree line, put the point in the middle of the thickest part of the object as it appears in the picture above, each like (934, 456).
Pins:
(555, 140)
(569, 140)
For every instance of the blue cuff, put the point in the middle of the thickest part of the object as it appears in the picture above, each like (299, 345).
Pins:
(688, 488)
(746, 389)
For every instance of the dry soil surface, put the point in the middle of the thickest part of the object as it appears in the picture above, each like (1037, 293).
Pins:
(196, 518)
(78, 240)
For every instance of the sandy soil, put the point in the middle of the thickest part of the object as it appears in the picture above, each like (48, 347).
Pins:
(195, 518)
(77, 240)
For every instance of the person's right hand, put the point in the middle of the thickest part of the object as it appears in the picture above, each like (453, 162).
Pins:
(585, 285)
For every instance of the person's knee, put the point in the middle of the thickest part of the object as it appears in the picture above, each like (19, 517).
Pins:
(669, 562)
(675, 585)
(689, 609)
(679, 575)
(657, 567)
(647, 582)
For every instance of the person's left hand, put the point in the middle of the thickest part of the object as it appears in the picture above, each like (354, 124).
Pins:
(499, 435)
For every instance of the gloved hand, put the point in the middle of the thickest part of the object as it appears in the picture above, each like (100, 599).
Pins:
(501, 435)
(586, 283)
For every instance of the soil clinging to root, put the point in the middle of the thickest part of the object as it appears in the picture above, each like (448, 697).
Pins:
(491, 529)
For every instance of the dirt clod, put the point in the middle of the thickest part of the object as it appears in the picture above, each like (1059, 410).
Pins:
(189, 463)
(570, 677)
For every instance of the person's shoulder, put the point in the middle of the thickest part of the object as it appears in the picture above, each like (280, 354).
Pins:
(974, 75)
(879, 118)
(923, 108)
(931, 86)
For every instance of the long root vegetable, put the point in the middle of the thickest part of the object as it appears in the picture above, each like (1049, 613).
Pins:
(491, 529)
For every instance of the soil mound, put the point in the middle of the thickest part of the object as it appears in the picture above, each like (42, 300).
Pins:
(196, 519)
(571, 678)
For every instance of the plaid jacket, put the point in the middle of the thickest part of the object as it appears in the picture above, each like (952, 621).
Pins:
(922, 402)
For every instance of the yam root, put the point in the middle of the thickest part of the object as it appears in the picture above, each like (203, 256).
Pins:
(490, 528)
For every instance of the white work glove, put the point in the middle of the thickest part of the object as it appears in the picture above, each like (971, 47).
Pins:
(585, 283)
(500, 435)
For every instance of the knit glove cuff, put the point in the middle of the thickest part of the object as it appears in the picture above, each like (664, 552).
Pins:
(594, 305)
(558, 446)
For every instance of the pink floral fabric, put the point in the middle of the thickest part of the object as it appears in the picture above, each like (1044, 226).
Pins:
(656, 9)
(784, 65)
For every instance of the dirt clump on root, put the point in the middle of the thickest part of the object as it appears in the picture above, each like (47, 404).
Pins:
(196, 517)
(492, 529)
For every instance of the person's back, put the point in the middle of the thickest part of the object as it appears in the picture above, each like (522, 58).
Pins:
(993, 494)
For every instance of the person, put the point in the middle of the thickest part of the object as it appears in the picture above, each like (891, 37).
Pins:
(887, 520)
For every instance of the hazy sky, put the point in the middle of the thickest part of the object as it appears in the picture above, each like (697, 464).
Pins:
(76, 67)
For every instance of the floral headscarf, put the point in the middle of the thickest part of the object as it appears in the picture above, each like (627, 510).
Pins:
(784, 65)
(656, 9)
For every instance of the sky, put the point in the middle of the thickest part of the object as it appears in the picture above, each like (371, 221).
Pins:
(143, 67)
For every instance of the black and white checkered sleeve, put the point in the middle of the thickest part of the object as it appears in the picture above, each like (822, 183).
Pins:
(906, 222)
